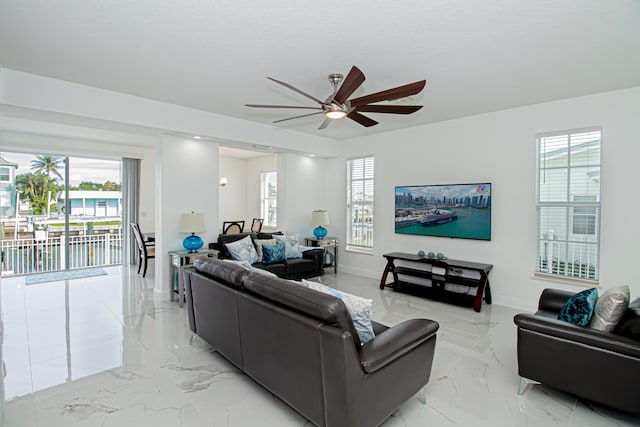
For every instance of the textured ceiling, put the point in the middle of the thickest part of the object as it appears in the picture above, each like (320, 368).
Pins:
(477, 56)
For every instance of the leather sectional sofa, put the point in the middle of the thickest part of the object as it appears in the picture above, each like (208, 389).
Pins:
(310, 265)
(596, 365)
(301, 345)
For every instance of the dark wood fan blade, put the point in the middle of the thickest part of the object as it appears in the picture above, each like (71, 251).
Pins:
(389, 94)
(325, 123)
(350, 84)
(297, 117)
(281, 106)
(288, 86)
(391, 109)
(363, 120)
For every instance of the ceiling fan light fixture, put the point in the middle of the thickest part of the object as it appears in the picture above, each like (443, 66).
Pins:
(335, 114)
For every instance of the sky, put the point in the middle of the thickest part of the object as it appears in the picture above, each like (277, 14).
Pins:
(80, 169)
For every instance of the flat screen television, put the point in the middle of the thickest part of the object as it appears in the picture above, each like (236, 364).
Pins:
(458, 211)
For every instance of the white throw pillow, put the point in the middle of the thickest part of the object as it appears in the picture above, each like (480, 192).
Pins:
(610, 308)
(243, 250)
(359, 309)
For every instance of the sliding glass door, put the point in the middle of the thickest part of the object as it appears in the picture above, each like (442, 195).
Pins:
(59, 213)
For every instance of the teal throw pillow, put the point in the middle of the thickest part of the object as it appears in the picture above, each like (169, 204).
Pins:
(273, 253)
(579, 308)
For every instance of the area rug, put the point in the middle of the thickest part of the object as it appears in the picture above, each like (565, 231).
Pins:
(63, 275)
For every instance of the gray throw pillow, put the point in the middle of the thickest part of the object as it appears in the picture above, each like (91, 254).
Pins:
(610, 308)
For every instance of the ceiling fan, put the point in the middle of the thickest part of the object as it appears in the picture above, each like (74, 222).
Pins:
(337, 105)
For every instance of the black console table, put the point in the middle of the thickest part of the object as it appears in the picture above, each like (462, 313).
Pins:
(445, 271)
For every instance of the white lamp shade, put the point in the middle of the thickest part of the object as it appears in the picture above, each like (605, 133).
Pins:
(192, 223)
(320, 218)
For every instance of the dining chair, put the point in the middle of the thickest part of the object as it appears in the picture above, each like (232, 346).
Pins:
(256, 225)
(232, 227)
(146, 249)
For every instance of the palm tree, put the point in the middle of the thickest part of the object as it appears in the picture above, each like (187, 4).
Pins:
(48, 165)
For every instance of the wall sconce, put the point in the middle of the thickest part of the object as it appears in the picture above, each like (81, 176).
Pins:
(223, 181)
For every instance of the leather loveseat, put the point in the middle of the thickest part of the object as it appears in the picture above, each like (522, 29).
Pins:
(600, 366)
(301, 345)
(310, 265)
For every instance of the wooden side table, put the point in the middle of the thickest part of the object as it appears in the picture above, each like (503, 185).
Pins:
(178, 261)
(330, 245)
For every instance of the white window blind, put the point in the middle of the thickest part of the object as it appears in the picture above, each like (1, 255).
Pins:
(360, 218)
(568, 204)
(269, 198)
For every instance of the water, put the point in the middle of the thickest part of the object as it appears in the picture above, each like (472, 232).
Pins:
(471, 224)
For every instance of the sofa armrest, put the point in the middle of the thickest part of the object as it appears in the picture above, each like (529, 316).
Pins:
(317, 255)
(553, 299)
(578, 334)
(396, 342)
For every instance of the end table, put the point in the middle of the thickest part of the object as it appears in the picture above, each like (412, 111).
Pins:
(330, 245)
(178, 261)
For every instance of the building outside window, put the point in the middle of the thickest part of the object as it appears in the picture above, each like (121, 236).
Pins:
(568, 204)
(269, 198)
(360, 193)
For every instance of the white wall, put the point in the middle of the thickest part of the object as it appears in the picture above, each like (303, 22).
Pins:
(500, 148)
(301, 189)
(232, 197)
(187, 180)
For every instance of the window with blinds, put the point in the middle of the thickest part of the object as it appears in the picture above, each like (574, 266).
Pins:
(568, 204)
(360, 181)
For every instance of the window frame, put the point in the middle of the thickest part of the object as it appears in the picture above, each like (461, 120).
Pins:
(576, 271)
(264, 199)
(367, 227)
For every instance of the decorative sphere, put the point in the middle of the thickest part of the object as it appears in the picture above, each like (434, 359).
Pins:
(440, 255)
(421, 254)
(431, 255)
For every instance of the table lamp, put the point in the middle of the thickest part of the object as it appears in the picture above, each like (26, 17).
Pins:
(320, 218)
(192, 223)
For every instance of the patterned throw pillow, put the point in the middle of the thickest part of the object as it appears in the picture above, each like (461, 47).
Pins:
(359, 309)
(610, 308)
(292, 248)
(273, 253)
(243, 250)
(579, 308)
(259, 243)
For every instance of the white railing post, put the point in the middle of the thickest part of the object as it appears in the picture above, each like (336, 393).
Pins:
(63, 261)
(107, 249)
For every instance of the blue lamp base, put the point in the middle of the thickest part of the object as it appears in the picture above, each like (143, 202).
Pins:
(192, 243)
(319, 232)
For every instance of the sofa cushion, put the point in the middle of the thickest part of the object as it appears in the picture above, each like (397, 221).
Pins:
(277, 268)
(299, 265)
(359, 309)
(610, 308)
(629, 325)
(273, 253)
(579, 308)
(243, 250)
(219, 269)
(323, 307)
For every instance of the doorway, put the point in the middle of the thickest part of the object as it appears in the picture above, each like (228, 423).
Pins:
(59, 212)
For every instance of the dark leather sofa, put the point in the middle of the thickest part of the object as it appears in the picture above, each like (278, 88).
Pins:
(310, 265)
(595, 365)
(301, 345)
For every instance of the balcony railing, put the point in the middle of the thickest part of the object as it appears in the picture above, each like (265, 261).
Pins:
(26, 256)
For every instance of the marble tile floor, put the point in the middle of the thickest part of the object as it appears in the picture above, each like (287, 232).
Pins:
(106, 351)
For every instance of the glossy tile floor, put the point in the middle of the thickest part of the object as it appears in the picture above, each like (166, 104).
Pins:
(105, 351)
